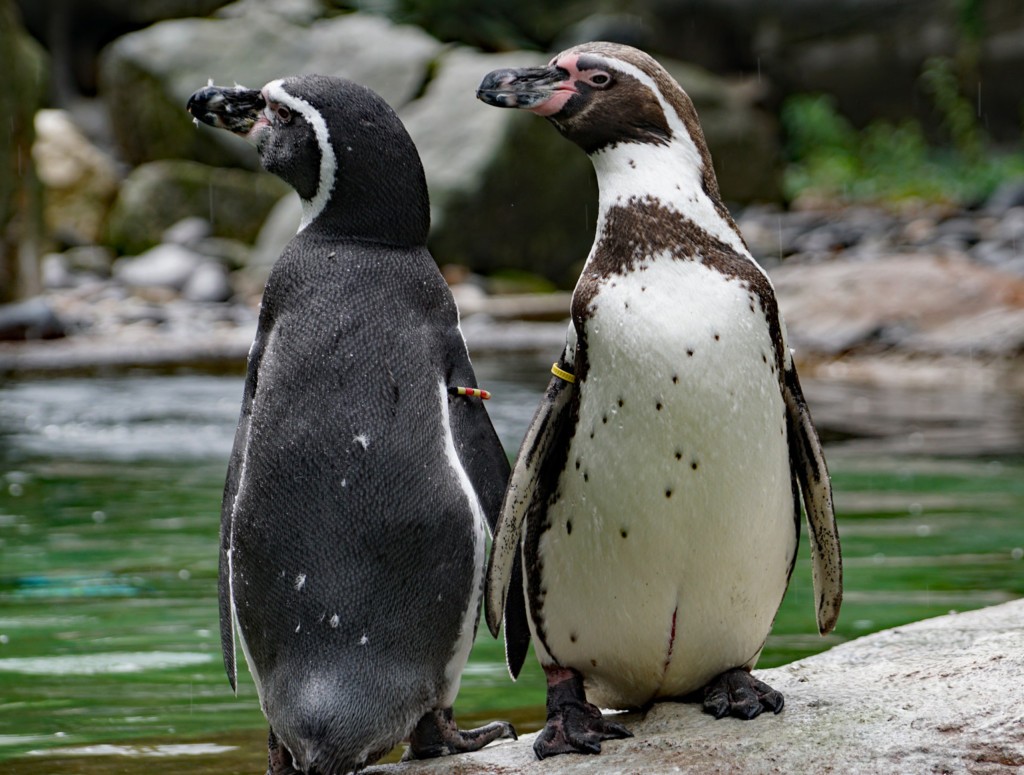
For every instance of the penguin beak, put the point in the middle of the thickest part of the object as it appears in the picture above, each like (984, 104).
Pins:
(235, 109)
(541, 90)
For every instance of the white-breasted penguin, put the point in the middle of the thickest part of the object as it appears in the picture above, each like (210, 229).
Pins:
(652, 519)
(362, 480)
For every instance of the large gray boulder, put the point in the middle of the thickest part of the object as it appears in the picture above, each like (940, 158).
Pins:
(942, 695)
(911, 303)
(147, 77)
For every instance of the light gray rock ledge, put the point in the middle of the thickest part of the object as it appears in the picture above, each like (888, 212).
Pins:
(942, 695)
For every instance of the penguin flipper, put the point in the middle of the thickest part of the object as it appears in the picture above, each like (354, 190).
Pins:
(808, 462)
(227, 516)
(517, 626)
(480, 452)
(522, 494)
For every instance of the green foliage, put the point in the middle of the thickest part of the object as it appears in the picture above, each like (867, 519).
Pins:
(958, 114)
(889, 162)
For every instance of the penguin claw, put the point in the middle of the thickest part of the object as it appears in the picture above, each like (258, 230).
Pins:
(577, 730)
(574, 725)
(737, 693)
(436, 734)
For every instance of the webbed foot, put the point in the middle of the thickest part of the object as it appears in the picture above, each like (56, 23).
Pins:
(737, 693)
(436, 734)
(574, 725)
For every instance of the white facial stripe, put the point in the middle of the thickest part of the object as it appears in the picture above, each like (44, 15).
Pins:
(675, 121)
(311, 208)
(671, 174)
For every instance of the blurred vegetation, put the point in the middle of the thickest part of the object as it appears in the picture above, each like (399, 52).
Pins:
(893, 163)
(498, 25)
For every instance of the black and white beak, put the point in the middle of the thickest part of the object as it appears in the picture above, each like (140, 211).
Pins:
(542, 90)
(233, 108)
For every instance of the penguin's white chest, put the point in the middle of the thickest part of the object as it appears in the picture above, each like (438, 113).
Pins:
(668, 548)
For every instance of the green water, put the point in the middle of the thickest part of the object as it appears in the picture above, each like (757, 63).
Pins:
(109, 508)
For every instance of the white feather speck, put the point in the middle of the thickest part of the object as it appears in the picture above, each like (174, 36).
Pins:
(363, 440)
(364, 640)
(300, 581)
(334, 621)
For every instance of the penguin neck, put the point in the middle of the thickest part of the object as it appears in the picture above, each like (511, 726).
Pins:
(360, 208)
(671, 176)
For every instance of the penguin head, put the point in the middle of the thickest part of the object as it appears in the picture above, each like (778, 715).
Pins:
(338, 144)
(599, 95)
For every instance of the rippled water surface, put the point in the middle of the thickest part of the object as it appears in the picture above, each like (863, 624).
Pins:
(109, 507)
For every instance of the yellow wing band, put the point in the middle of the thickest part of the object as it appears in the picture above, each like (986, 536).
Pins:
(561, 373)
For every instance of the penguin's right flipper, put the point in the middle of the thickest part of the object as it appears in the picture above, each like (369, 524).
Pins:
(808, 462)
(227, 515)
(524, 493)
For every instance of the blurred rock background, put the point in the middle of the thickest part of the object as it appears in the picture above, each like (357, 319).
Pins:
(854, 139)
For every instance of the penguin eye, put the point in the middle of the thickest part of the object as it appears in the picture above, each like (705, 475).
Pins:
(283, 113)
(599, 79)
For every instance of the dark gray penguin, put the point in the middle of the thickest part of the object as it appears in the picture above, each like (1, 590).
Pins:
(653, 514)
(362, 479)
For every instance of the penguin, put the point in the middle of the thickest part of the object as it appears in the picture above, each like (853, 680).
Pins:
(365, 471)
(651, 522)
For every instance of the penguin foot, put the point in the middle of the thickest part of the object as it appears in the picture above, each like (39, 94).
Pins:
(436, 734)
(737, 693)
(574, 725)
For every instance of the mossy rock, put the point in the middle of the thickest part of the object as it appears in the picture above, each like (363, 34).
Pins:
(159, 194)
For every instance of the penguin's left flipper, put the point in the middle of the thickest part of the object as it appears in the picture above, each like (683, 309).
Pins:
(737, 693)
(436, 734)
(808, 462)
(525, 491)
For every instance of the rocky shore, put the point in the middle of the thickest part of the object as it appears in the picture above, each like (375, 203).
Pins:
(854, 284)
(937, 696)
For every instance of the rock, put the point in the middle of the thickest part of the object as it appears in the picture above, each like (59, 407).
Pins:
(94, 260)
(1010, 227)
(230, 253)
(496, 172)
(918, 698)
(157, 195)
(29, 319)
(146, 77)
(208, 283)
(24, 67)
(188, 231)
(279, 227)
(954, 306)
(164, 266)
(54, 272)
(1009, 194)
(76, 266)
(80, 180)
